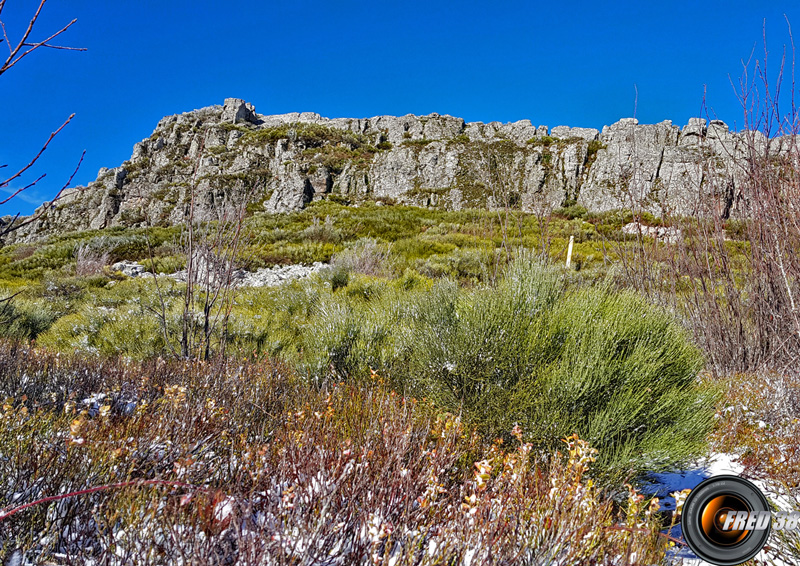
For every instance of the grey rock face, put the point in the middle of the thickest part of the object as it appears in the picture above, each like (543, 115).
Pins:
(565, 132)
(217, 158)
(236, 110)
(663, 169)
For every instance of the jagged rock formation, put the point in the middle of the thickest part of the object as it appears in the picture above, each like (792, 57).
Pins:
(230, 155)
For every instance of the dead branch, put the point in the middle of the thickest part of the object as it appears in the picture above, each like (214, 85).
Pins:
(43, 210)
(32, 162)
(17, 52)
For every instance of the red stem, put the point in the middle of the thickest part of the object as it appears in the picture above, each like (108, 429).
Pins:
(5, 513)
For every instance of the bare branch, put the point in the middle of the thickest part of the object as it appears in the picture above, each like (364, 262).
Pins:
(64, 47)
(11, 226)
(22, 41)
(34, 46)
(69, 181)
(18, 52)
(8, 299)
(5, 36)
(28, 186)
(36, 158)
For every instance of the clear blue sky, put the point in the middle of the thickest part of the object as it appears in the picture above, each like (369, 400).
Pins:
(553, 62)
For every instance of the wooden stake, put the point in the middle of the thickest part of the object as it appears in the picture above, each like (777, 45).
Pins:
(569, 250)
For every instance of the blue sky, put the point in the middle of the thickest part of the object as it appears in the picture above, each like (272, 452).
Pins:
(576, 63)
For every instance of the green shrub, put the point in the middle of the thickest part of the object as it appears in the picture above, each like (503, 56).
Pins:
(337, 276)
(165, 264)
(71, 333)
(736, 229)
(127, 246)
(321, 231)
(469, 265)
(352, 334)
(131, 334)
(365, 256)
(25, 319)
(542, 140)
(605, 365)
(571, 212)
(411, 280)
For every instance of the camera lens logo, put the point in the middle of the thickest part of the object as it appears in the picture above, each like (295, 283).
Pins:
(726, 520)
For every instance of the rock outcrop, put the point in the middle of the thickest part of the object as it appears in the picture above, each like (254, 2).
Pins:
(264, 277)
(220, 158)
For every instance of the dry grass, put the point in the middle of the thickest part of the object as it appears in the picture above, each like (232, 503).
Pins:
(283, 474)
(367, 257)
(89, 262)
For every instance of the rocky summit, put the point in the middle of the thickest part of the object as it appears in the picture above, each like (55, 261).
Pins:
(231, 155)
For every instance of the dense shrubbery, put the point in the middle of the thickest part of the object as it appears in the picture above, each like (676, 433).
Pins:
(553, 356)
(424, 301)
(529, 349)
(243, 463)
(24, 319)
(532, 351)
(325, 228)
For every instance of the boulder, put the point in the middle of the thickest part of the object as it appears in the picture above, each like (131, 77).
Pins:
(129, 268)
(236, 110)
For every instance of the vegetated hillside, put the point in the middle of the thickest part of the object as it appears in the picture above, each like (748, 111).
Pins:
(395, 273)
(229, 155)
(422, 314)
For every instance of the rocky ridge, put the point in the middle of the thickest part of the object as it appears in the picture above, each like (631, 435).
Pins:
(234, 156)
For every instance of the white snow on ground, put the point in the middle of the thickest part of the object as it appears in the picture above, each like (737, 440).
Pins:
(716, 465)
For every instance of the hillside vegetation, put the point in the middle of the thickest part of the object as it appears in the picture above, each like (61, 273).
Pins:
(450, 386)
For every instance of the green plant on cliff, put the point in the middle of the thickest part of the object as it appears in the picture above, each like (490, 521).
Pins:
(310, 135)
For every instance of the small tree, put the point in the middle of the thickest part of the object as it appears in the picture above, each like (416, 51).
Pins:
(210, 246)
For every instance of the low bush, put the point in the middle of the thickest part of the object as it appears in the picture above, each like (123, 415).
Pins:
(571, 212)
(242, 463)
(25, 320)
(365, 256)
(534, 350)
(164, 264)
(322, 231)
(467, 265)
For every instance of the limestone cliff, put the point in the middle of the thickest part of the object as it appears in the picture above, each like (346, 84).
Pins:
(280, 163)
